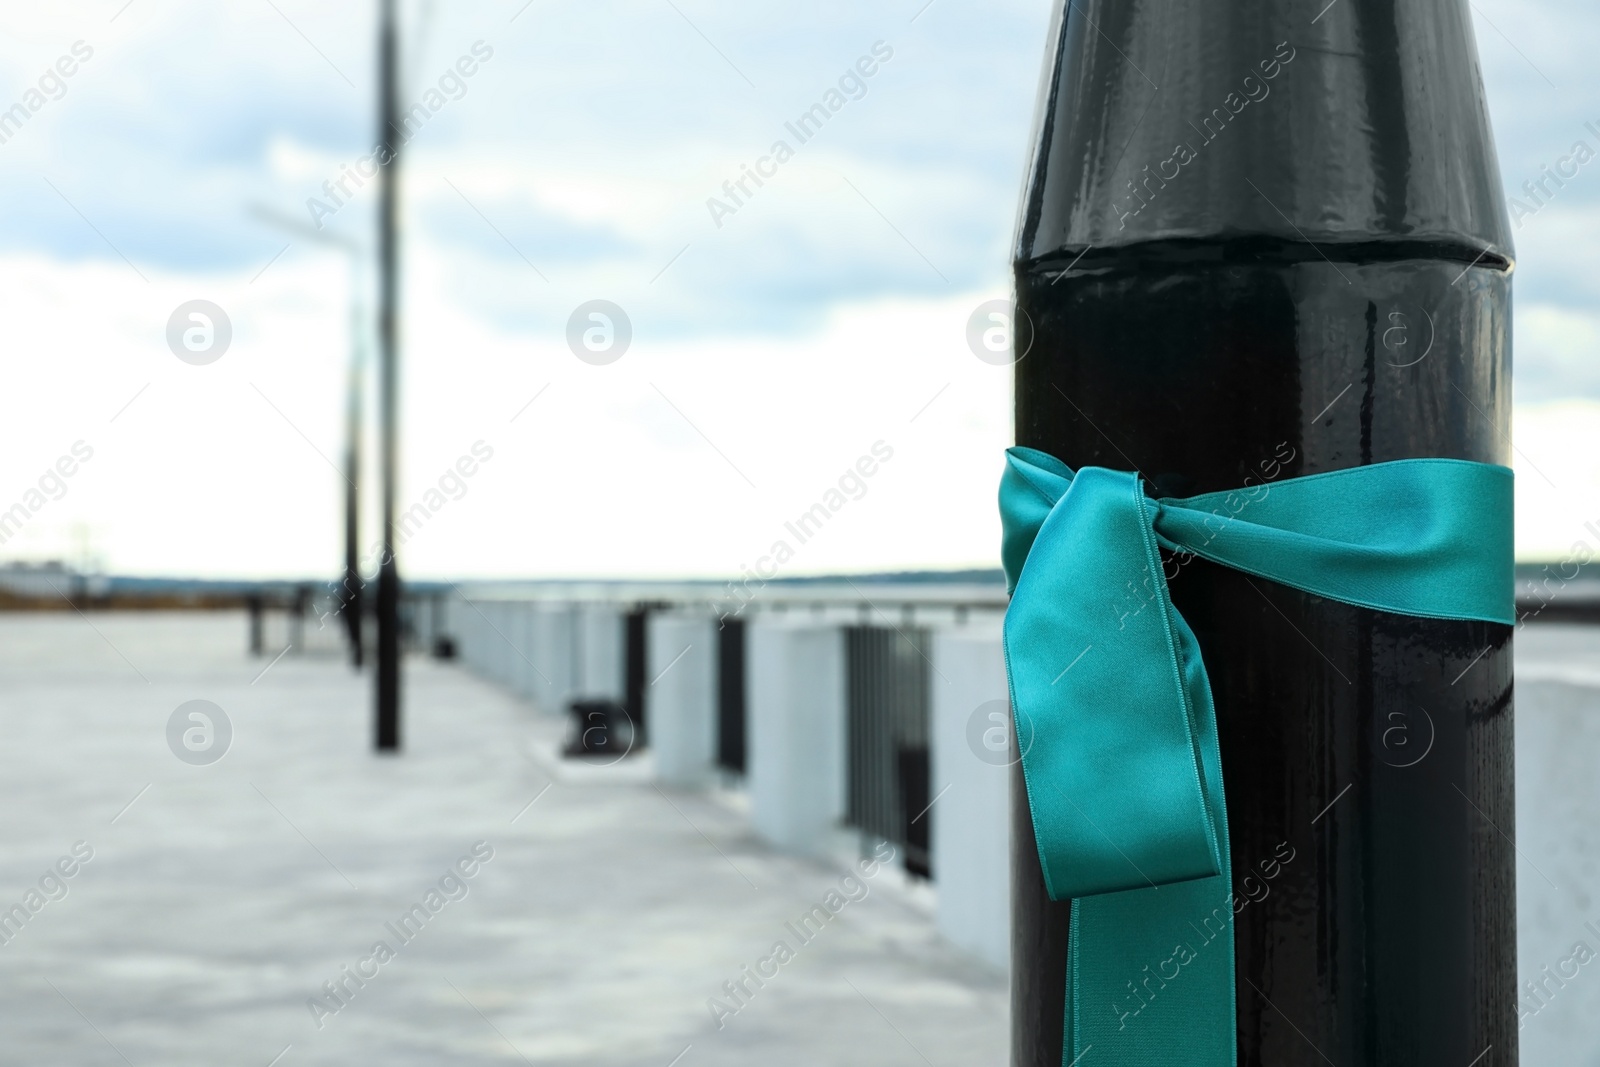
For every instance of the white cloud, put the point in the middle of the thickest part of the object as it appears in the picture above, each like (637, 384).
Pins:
(1557, 352)
(633, 468)
(1557, 462)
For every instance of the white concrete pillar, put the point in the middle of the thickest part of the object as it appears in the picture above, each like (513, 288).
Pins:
(680, 696)
(971, 833)
(454, 610)
(506, 623)
(554, 649)
(452, 619)
(480, 637)
(524, 682)
(497, 650)
(795, 684)
(600, 653)
(472, 643)
(510, 662)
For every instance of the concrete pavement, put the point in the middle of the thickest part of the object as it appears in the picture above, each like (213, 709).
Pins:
(220, 898)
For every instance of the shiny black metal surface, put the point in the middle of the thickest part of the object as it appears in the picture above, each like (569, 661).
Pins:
(1325, 283)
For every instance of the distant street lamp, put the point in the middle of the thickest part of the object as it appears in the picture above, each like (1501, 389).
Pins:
(351, 598)
(388, 688)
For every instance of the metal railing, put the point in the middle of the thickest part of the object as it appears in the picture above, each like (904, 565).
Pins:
(731, 696)
(887, 738)
(887, 644)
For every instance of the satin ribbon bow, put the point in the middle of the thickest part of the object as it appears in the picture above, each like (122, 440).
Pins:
(1123, 769)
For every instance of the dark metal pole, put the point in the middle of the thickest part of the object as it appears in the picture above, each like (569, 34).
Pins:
(388, 682)
(352, 599)
(256, 606)
(1261, 242)
(351, 594)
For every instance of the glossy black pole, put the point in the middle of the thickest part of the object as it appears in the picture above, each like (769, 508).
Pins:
(388, 607)
(255, 603)
(352, 603)
(1263, 239)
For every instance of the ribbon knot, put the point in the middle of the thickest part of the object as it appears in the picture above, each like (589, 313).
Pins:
(1124, 771)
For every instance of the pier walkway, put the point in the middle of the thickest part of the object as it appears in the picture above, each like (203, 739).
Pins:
(529, 914)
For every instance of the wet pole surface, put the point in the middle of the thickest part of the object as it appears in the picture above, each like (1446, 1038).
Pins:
(1260, 242)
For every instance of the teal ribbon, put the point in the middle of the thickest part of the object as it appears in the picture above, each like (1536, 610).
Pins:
(1123, 770)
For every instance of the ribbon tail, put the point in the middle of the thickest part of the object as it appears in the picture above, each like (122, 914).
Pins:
(1123, 772)
(1151, 970)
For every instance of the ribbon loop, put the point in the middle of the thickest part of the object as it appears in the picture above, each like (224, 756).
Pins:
(1114, 753)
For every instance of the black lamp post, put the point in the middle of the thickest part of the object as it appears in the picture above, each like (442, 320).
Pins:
(1262, 240)
(388, 605)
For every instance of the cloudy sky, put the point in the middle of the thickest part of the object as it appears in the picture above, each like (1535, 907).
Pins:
(772, 347)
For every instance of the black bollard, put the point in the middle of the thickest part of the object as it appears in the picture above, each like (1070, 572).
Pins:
(1263, 239)
(444, 643)
(599, 728)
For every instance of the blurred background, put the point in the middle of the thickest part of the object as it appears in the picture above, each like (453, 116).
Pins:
(577, 164)
(574, 506)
